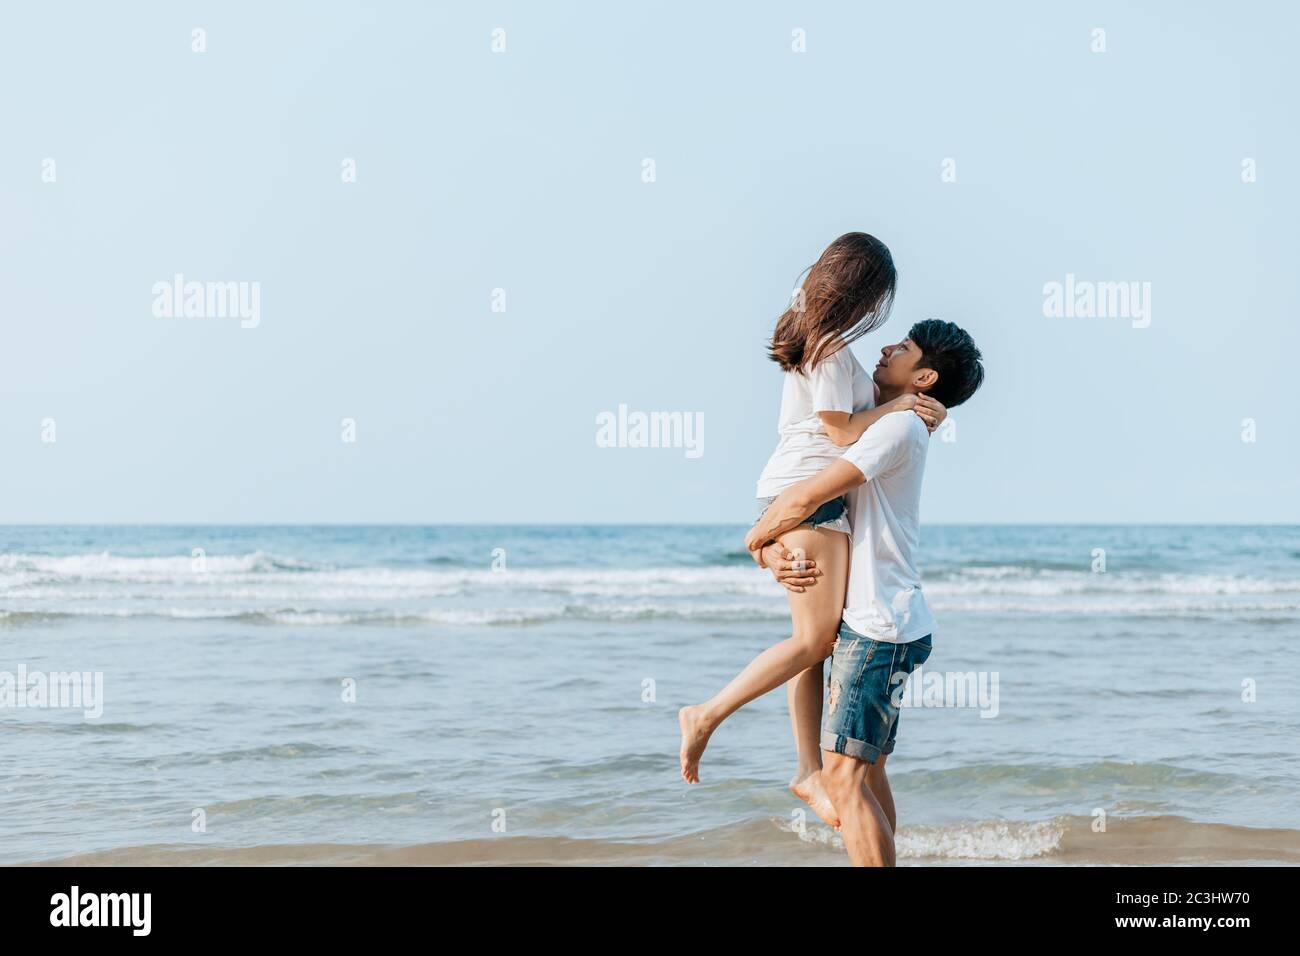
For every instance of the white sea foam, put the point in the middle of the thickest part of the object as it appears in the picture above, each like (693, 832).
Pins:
(282, 590)
(989, 840)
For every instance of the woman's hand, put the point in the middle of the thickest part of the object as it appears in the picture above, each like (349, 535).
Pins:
(931, 411)
(904, 403)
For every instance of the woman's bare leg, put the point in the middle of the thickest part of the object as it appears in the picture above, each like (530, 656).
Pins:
(804, 697)
(816, 613)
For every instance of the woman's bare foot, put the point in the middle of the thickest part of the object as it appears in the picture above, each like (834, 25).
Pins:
(695, 737)
(812, 792)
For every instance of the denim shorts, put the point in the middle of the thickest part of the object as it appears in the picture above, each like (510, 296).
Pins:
(833, 515)
(866, 676)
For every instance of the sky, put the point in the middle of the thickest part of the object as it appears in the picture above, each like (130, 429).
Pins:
(995, 148)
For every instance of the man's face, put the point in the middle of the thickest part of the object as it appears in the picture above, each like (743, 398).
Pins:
(897, 368)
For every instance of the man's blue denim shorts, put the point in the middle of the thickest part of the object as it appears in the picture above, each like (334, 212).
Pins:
(832, 515)
(865, 679)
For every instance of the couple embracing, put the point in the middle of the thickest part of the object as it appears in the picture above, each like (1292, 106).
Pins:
(840, 531)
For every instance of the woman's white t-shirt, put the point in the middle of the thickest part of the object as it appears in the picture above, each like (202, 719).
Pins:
(836, 384)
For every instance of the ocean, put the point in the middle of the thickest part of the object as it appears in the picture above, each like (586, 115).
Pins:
(486, 695)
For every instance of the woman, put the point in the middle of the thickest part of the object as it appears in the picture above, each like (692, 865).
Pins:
(828, 400)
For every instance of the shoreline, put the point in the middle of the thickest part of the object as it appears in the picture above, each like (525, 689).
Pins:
(1064, 841)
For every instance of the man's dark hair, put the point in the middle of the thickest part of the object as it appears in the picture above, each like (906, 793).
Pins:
(950, 351)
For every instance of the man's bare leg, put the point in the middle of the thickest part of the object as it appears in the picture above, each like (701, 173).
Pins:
(879, 784)
(868, 836)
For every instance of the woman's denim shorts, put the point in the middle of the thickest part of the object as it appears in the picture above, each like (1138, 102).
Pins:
(833, 516)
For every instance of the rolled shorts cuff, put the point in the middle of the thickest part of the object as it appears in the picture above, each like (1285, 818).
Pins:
(851, 747)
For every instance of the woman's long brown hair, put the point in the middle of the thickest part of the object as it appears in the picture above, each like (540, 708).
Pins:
(848, 293)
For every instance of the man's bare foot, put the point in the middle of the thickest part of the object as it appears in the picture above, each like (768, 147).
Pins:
(695, 737)
(811, 791)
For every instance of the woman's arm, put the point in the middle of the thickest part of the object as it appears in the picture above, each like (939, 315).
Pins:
(844, 429)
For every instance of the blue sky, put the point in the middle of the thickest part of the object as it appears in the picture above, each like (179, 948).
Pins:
(522, 171)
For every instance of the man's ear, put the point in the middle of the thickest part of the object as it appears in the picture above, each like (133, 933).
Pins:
(925, 378)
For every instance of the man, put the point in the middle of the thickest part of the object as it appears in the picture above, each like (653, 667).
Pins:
(887, 625)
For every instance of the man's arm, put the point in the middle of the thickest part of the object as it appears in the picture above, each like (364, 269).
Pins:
(802, 499)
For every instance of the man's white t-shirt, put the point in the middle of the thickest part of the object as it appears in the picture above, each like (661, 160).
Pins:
(884, 599)
(836, 384)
